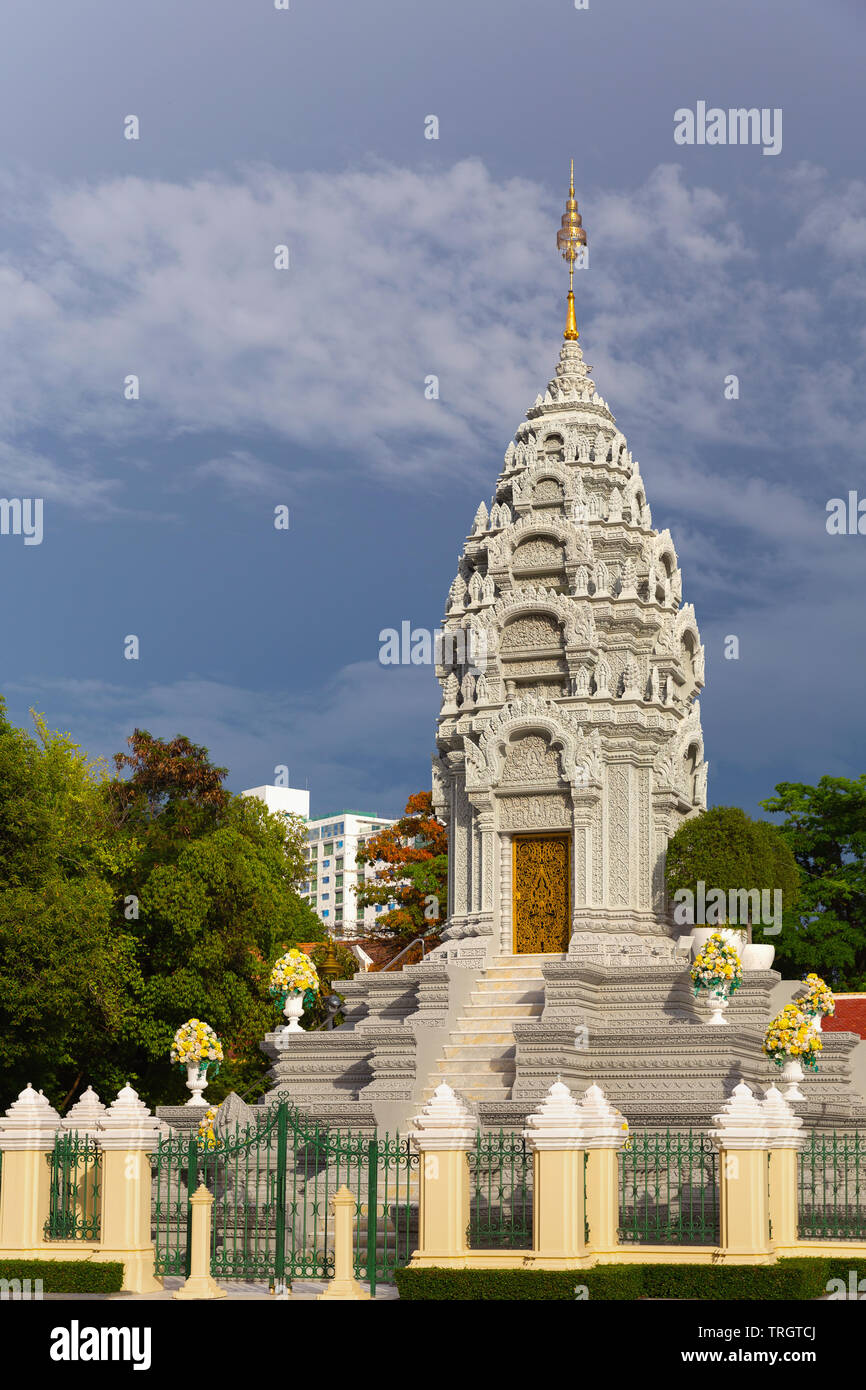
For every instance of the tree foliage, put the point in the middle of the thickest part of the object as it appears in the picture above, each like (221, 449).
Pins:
(411, 870)
(825, 828)
(129, 904)
(728, 850)
(68, 979)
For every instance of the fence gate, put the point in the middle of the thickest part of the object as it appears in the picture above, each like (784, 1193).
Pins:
(272, 1184)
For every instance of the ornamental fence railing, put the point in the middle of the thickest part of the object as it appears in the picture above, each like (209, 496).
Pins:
(74, 1188)
(272, 1183)
(669, 1189)
(500, 1202)
(832, 1186)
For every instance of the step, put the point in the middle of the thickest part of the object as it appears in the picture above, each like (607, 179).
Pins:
(527, 958)
(502, 1011)
(479, 1058)
(482, 1035)
(509, 987)
(498, 1073)
(496, 1001)
(472, 1092)
(479, 1050)
(464, 1084)
(499, 1001)
(514, 972)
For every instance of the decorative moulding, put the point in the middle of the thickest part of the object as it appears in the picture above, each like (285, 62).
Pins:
(784, 1128)
(445, 1122)
(128, 1124)
(556, 1122)
(86, 1115)
(604, 1127)
(741, 1123)
(561, 1122)
(31, 1122)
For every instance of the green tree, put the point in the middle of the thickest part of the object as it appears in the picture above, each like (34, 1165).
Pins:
(172, 795)
(67, 978)
(213, 886)
(128, 905)
(725, 849)
(412, 871)
(825, 827)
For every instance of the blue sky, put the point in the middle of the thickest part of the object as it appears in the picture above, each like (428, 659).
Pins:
(410, 257)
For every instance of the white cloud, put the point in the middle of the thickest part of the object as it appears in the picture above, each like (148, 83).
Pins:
(335, 739)
(396, 276)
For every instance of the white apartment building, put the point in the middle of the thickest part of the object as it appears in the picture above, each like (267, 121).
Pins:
(332, 845)
(290, 800)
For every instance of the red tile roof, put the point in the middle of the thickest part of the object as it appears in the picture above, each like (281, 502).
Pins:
(850, 1015)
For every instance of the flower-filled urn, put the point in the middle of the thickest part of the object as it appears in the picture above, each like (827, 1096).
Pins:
(717, 971)
(195, 1049)
(294, 986)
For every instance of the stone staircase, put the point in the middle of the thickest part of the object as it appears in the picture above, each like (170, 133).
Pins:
(479, 1059)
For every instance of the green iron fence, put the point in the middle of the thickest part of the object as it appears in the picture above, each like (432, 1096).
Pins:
(75, 1188)
(174, 1169)
(832, 1186)
(272, 1184)
(669, 1189)
(500, 1207)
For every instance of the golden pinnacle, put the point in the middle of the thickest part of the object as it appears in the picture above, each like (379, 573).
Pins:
(570, 240)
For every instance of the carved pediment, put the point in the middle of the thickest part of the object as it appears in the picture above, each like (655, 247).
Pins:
(546, 492)
(538, 553)
(528, 633)
(551, 811)
(530, 758)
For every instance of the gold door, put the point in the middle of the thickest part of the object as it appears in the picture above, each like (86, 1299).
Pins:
(542, 901)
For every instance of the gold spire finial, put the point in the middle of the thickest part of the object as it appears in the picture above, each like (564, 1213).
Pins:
(570, 239)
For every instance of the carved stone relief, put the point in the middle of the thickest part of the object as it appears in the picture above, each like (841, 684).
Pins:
(548, 811)
(618, 834)
(524, 634)
(530, 759)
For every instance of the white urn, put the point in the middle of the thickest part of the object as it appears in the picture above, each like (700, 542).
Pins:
(758, 957)
(196, 1081)
(792, 1072)
(292, 1009)
(717, 1001)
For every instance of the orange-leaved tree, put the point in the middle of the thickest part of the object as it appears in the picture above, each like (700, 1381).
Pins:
(410, 870)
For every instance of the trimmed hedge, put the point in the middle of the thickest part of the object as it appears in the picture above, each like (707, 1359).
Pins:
(800, 1278)
(67, 1276)
(477, 1284)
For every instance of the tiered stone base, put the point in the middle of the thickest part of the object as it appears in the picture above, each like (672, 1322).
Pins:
(619, 1012)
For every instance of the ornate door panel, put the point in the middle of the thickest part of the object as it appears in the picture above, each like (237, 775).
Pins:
(542, 901)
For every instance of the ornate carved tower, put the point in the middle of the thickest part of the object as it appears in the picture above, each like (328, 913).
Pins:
(569, 743)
